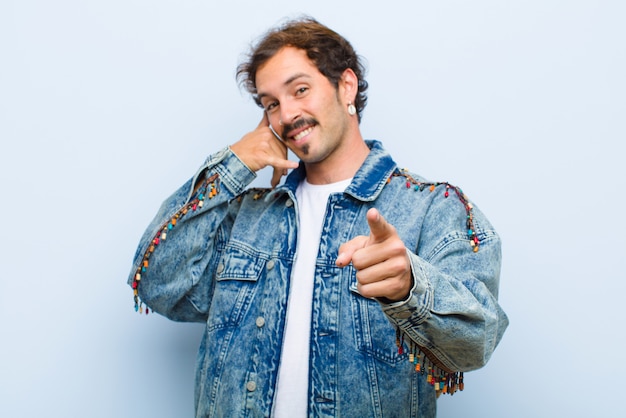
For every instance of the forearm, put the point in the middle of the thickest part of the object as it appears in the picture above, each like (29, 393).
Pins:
(452, 312)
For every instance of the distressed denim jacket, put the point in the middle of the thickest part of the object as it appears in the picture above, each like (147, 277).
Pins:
(223, 255)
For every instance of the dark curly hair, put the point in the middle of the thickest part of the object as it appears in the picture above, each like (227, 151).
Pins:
(329, 51)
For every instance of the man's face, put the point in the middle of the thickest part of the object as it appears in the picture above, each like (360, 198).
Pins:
(302, 105)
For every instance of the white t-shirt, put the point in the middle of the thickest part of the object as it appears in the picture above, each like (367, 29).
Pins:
(293, 374)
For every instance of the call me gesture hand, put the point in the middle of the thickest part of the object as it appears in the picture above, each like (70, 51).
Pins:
(380, 259)
(261, 148)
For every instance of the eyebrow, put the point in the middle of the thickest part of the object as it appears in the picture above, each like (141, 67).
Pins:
(286, 83)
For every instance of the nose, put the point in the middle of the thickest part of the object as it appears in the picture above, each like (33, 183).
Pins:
(289, 112)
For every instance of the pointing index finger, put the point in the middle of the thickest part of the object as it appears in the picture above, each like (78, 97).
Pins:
(379, 227)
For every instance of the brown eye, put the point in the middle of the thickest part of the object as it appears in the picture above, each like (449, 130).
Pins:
(271, 106)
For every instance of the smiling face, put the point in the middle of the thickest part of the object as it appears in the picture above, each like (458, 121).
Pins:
(306, 110)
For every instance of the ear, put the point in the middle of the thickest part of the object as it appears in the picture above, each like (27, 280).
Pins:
(348, 86)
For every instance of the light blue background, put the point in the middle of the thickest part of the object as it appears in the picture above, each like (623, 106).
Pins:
(106, 107)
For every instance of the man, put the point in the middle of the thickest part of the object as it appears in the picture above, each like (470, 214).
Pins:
(354, 289)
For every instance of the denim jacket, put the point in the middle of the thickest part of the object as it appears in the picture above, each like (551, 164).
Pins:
(224, 255)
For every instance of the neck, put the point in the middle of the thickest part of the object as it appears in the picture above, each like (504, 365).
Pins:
(341, 165)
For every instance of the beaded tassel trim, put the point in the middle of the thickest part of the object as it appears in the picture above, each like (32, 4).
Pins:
(258, 193)
(420, 186)
(442, 380)
(208, 189)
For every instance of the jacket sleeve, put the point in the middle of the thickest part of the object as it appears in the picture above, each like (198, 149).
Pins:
(452, 313)
(172, 270)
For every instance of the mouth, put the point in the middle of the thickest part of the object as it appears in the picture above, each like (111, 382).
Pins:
(302, 134)
(299, 130)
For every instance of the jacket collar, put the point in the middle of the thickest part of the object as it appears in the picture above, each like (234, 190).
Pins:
(368, 181)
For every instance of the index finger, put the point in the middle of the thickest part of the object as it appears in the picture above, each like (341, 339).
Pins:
(380, 229)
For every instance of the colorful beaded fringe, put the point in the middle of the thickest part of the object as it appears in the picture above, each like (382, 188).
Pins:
(208, 189)
(420, 186)
(443, 381)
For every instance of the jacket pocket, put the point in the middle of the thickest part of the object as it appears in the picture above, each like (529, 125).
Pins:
(374, 334)
(236, 277)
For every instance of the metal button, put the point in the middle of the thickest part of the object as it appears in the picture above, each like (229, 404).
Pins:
(260, 321)
(289, 203)
(403, 315)
(251, 386)
(220, 268)
(270, 264)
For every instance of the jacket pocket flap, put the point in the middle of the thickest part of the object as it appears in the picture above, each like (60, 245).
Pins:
(240, 264)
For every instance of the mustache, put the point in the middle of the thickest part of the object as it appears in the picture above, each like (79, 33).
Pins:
(299, 123)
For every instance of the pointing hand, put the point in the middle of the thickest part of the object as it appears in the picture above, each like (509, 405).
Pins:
(380, 259)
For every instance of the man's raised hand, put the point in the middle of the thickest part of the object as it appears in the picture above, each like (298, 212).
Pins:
(260, 148)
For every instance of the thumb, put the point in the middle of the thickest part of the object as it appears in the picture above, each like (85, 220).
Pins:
(347, 249)
(380, 229)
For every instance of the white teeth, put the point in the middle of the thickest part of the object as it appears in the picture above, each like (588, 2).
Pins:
(303, 134)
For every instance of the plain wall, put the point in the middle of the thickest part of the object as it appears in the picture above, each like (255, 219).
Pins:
(107, 107)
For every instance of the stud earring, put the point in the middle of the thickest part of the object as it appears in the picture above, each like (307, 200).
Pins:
(280, 122)
(351, 109)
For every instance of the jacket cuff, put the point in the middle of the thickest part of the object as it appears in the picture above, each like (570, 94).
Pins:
(233, 173)
(416, 308)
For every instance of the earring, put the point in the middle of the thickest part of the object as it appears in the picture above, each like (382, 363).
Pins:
(280, 122)
(351, 109)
